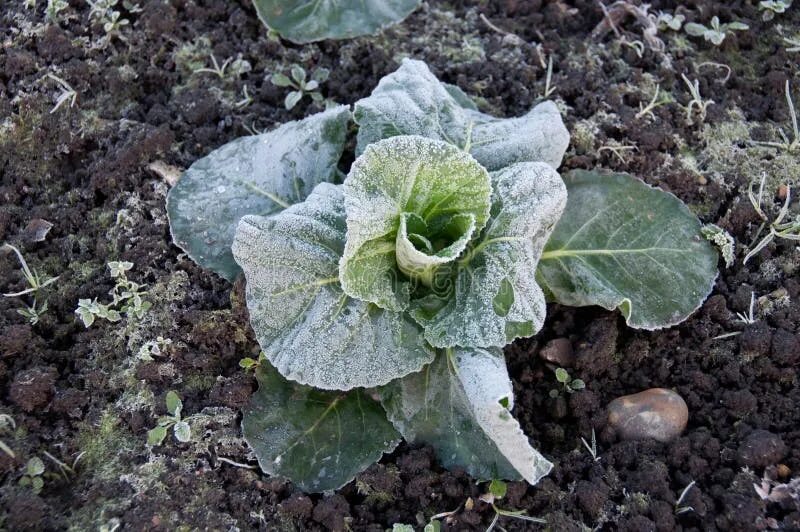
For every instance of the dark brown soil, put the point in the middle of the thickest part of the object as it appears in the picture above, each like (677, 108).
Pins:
(76, 392)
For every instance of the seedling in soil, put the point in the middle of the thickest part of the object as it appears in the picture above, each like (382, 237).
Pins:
(697, 102)
(666, 21)
(408, 278)
(793, 42)
(570, 385)
(7, 424)
(749, 318)
(301, 85)
(66, 472)
(251, 364)
(154, 348)
(33, 475)
(786, 144)
(104, 12)
(778, 228)
(680, 508)
(618, 151)
(180, 428)
(647, 110)
(35, 310)
(592, 448)
(68, 94)
(126, 298)
(497, 490)
(54, 7)
(773, 7)
(714, 33)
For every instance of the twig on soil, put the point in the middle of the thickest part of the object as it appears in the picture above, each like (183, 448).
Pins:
(237, 464)
(718, 65)
(749, 318)
(618, 151)
(679, 509)
(515, 39)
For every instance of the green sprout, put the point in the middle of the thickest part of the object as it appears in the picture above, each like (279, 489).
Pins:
(570, 385)
(778, 228)
(250, 364)
(716, 33)
(126, 299)
(33, 475)
(301, 86)
(498, 490)
(180, 428)
(786, 144)
(35, 310)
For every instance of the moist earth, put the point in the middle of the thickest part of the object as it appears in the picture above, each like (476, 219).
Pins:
(85, 397)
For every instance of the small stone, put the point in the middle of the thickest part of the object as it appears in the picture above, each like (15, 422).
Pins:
(657, 414)
(783, 471)
(559, 352)
(761, 448)
(36, 230)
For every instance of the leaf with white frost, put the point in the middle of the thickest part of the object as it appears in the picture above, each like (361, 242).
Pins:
(307, 326)
(320, 440)
(623, 244)
(411, 101)
(460, 404)
(412, 205)
(496, 298)
(260, 174)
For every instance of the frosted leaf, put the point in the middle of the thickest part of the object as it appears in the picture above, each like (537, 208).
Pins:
(406, 175)
(460, 404)
(259, 174)
(496, 298)
(319, 440)
(411, 101)
(307, 326)
(304, 21)
(623, 244)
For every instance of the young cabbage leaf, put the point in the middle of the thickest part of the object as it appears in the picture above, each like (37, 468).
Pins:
(308, 327)
(260, 174)
(460, 404)
(495, 298)
(411, 101)
(413, 204)
(623, 244)
(304, 21)
(320, 440)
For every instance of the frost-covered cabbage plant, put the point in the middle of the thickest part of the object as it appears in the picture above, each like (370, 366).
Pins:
(382, 303)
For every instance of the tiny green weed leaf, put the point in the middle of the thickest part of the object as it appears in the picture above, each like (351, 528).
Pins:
(182, 431)
(456, 405)
(34, 467)
(623, 244)
(320, 440)
(411, 101)
(495, 298)
(174, 404)
(442, 191)
(281, 80)
(260, 174)
(562, 376)
(156, 435)
(498, 488)
(302, 21)
(307, 326)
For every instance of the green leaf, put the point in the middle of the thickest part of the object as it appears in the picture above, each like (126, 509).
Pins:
(623, 244)
(320, 440)
(304, 21)
(498, 488)
(456, 405)
(260, 174)
(307, 326)
(298, 73)
(182, 431)
(281, 80)
(393, 179)
(496, 298)
(34, 467)
(411, 101)
(292, 99)
(561, 375)
(174, 404)
(156, 436)
(694, 29)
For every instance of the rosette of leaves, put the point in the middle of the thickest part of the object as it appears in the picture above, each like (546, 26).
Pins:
(382, 300)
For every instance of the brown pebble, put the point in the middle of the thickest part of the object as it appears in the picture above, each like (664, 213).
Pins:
(657, 414)
(783, 191)
(559, 352)
(784, 471)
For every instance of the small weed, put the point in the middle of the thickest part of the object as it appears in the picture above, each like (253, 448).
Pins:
(592, 448)
(778, 228)
(154, 348)
(722, 239)
(549, 88)
(301, 86)
(715, 33)
(250, 364)
(570, 385)
(786, 144)
(33, 475)
(773, 7)
(126, 299)
(497, 490)
(667, 21)
(697, 102)
(618, 151)
(105, 12)
(54, 7)
(180, 428)
(793, 42)
(647, 110)
(35, 285)
(749, 318)
(68, 94)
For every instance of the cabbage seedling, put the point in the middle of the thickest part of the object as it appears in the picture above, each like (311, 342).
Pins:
(382, 298)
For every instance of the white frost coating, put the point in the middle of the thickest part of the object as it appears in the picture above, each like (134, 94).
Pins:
(496, 296)
(485, 381)
(308, 328)
(402, 174)
(454, 405)
(411, 101)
